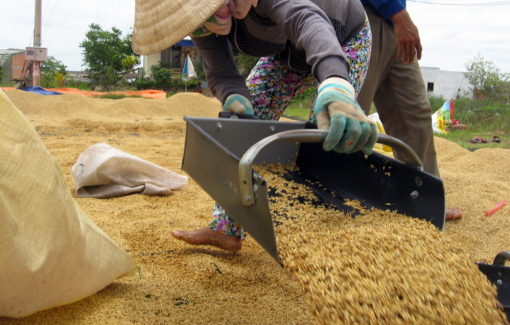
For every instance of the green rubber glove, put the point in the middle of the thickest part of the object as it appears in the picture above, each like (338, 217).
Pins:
(337, 111)
(238, 104)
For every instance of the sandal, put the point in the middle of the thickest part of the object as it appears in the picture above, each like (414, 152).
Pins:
(496, 139)
(478, 140)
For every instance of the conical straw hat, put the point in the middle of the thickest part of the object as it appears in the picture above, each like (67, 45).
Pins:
(159, 24)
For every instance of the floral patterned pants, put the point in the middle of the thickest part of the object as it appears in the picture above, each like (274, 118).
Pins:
(273, 86)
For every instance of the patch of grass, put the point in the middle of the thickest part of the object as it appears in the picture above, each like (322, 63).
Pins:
(7, 83)
(484, 119)
(463, 139)
(298, 110)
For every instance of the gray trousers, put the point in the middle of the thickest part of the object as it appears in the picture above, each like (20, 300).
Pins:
(399, 94)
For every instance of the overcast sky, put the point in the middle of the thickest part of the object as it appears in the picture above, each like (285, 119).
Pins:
(452, 31)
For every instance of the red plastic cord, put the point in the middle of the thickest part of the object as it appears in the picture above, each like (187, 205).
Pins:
(497, 207)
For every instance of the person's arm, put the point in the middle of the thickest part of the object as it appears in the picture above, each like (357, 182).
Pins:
(220, 69)
(409, 45)
(408, 38)
(308, 27)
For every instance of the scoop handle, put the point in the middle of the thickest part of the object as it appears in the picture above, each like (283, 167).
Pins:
(406, 154)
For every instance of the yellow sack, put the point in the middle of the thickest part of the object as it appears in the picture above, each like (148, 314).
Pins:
(440, 122)
(51, 253)
(380, 148)
(442, 118)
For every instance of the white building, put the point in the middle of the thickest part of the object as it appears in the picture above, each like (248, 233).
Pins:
(449, 84)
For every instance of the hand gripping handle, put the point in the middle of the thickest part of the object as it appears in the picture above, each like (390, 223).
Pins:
(245, 165)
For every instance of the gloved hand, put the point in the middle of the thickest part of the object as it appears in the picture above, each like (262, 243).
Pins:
(336, 110)
(238, 104)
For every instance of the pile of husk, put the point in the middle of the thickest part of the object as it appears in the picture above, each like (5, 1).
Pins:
(183, 284)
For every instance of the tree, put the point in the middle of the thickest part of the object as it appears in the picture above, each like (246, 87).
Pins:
(104, 50)
(129, 62)
(487, 80)
(52, 65)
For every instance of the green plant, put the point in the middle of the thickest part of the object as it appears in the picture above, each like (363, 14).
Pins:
(436, 102)
(483, 115)
(128, 62)
(245, 64)
(161, 76)
(48, 81)
(199, 70)
(7, 83)
(82, 85)
(3, 74)
(5, 69)
(61, 78)
(142, 84)
(71, 83)
(487, 80)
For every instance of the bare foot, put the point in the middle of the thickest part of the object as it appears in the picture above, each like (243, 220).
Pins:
(207, 236)
(452, 214)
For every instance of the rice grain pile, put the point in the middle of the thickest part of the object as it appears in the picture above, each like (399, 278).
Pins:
(377, 268)
(475, 182)
(178, 283)
(183, 284)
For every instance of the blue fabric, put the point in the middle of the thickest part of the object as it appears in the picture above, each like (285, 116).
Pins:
(385, 8)
(40, 91)
(185, 42)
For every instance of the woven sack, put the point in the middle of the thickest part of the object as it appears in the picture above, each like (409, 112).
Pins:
(51, 253)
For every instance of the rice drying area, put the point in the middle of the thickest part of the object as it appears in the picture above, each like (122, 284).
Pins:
(377, 268)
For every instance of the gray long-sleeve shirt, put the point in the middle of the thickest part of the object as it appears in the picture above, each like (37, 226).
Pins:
(307, 35)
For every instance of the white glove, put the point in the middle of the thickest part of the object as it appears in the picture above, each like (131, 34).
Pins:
(238, 104)
(337, 111)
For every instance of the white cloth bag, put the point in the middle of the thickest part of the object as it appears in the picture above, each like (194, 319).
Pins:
(103, 171)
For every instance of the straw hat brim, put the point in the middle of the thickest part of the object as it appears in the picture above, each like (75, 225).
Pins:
(159, 24)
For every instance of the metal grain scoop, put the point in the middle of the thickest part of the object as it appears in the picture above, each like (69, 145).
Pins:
(219, 154)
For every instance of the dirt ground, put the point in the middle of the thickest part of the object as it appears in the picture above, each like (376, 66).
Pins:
(183, 284)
